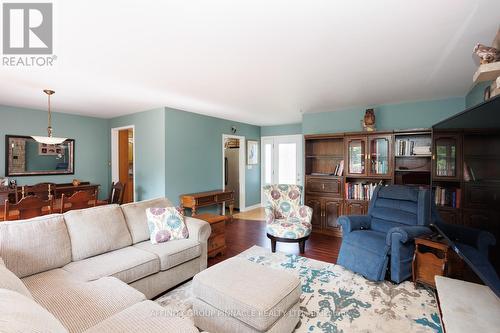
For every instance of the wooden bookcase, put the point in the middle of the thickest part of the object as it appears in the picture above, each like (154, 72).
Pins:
(468, 175)
(368, 158)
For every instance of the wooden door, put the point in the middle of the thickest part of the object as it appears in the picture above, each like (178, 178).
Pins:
(356, 156)
(446, 152)
(379, 162)
(315, 204)
(332, 212)
(125, 158)
(356, 208)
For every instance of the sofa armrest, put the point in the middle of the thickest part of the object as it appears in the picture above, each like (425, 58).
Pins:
(354, 222)
(406, 233)
(480, 239)
(199, 230)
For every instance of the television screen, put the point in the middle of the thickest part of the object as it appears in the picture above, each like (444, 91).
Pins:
(466, 187)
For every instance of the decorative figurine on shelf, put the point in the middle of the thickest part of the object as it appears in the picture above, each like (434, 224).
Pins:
(76, 182)
(487, 54)
(368, 121)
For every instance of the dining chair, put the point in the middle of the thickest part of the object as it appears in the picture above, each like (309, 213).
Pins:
(79, 200)
(115, 194)
(28, 207)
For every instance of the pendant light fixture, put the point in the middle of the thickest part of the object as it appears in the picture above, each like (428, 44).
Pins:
(49, 139)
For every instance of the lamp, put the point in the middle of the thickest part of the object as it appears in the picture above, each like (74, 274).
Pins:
(49, 139)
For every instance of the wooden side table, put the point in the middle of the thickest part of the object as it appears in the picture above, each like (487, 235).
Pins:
(217, 239)
(431, 258)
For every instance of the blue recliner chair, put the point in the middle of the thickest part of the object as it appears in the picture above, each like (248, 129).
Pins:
(396, 215)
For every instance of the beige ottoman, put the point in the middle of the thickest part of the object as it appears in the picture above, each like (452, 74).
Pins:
(241, 296)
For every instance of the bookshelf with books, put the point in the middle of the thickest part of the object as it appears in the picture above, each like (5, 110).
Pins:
(412, 157)
(324, 170)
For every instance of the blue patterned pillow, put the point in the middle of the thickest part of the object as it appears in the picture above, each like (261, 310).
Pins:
(166, 224)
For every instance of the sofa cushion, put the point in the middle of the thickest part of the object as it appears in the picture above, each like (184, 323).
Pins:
(146, 316)
(174, 252)
(96, 230)
(370, 240)
(10, 281)
(80, 305)
(135, 215)
(35, 245)
(128, 264)
(256, 295)
(19, 313)
(166, 224)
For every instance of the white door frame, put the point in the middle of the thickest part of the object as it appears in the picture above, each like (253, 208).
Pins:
(300, 156)
(242, 162)
(115, 154)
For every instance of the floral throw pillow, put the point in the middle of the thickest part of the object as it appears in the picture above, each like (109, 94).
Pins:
(166, 224)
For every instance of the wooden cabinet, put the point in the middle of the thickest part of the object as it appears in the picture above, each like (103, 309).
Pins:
(370, 155)
(450, 215)
(356, 156)
(324, 186)
(315, 204)
(446, 156)
(332, 210)
(325, 214)
(355, 207)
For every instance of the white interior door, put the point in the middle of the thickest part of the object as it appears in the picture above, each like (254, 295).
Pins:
(282, 161)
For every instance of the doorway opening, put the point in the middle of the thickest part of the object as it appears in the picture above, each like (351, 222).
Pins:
(233, 168)
(123, 159)
(282, 161)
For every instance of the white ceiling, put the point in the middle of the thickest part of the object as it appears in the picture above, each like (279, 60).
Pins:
(256, 61)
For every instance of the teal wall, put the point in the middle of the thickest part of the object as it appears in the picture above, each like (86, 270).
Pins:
(194, 154)
(421, 114)
(281, 130)
(476, 94)
(149, 141)
(91, 143)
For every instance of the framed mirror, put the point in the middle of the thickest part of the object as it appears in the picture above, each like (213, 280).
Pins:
(26, 157)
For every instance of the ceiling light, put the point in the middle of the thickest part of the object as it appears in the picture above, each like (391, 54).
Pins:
(49, 139)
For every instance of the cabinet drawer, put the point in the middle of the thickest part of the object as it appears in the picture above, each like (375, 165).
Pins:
(326, 186)
(205, 200)
(225, 196)
(216, 242)
(218, 228)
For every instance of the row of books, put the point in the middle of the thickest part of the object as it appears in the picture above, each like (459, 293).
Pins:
(449, 197)
(407, 148)
(360, 191)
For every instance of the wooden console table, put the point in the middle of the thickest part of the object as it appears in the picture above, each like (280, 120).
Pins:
(209, 198)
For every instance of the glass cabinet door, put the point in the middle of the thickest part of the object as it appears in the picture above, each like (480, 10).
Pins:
(356, 150)
(445, 156)
(379, 155)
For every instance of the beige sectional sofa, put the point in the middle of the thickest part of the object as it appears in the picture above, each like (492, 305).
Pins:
(94, 269)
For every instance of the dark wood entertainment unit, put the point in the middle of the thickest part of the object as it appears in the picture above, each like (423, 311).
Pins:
(368, 158)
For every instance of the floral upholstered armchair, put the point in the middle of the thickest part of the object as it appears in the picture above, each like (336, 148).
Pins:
(287, 220)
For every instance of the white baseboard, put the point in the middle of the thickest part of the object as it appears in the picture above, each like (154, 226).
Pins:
(246, 209)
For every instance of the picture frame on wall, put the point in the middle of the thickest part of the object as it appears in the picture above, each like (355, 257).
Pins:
(252, 152)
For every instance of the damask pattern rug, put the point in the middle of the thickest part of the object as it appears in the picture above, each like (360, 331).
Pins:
(335, 300)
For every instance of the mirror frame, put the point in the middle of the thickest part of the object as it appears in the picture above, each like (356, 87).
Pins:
(71, 163)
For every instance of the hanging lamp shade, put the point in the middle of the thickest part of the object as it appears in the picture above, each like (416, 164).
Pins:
(49, 139)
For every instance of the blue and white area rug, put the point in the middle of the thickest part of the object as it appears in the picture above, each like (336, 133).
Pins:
(335, 300)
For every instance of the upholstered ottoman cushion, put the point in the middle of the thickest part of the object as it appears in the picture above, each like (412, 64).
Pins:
(289, 228)
(253, 296)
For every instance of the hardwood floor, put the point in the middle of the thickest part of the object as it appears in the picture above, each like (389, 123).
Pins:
(243, 234)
